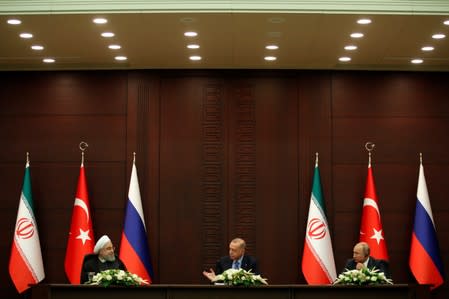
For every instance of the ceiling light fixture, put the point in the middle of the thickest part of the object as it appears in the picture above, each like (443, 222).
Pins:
(270, 58)
(357, 35)
(195, 58)
(344, 59)
(107, 34)
(114, 47)
(417, 61)
(446, 22)
(100, 21)
(276, 20)
(272, 47)
(37, 47)
(427, 48)
(438, 36)
(363, 21)
(14, 22)
(193, 46)
(120, 58)
(48, 60)
(190, 34)
(26, 35)
(350, 47)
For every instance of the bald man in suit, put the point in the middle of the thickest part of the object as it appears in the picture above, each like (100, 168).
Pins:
(361, 259)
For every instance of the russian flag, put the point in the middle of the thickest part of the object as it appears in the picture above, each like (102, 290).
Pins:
(425, 261)
(134, 249)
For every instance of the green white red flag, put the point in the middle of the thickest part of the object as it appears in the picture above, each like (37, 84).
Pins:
(25, 263)
(318, 265)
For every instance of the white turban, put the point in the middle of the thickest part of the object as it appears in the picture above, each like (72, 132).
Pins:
(101, 243)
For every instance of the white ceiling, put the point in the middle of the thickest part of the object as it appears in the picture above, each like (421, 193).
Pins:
(228, 40)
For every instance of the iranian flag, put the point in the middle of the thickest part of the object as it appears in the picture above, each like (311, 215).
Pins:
(25, 262)
(318, 264)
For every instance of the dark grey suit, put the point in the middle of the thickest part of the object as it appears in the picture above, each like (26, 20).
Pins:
(382, 265)
(248, 263)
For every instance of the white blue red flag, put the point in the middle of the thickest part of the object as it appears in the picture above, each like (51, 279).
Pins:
(134, 249)
(425, 260)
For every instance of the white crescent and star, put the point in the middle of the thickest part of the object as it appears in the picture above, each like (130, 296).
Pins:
(377, 234)
(372, 203)
(83, 235)
(82, 205)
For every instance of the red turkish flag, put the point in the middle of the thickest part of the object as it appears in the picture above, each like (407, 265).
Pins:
(371, 230)
(81, 240)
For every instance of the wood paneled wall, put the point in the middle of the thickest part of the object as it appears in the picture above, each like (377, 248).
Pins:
(223, 154)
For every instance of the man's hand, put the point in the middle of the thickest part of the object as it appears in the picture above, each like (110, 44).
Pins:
(209, 275)
(360, 266)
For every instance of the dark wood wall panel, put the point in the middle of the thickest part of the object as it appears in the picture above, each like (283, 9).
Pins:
(390, 94)
(276, 177)
(67, 93)
(180, 184)
(222, 154)
(213, 173)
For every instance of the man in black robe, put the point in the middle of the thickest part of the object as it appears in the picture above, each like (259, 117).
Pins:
(102, 259)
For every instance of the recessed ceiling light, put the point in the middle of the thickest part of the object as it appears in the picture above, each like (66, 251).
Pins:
(120, 58)
(417, 61)
(272, 47)
(438, 36)
(364, 21)
(276, 20)
(446, 22)
(356, 35)
(187, 20)
(195, 58)
(274, 34)
(344, 59)
(193, 46)
(114, 47)
(107, 34)
(190, 33)
(427, 48)
(100, 21)
(14, 22)
(350, 47)
(26, 35)
(37, 47)
(48, 60)
(270, 58)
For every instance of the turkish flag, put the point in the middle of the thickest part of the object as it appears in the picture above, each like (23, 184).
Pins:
(81, 240)
(371, 230)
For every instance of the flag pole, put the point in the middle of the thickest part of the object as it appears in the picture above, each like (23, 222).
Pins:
(420, 158)
(83, 146)
(134, 157)
(28, 158)
(316, 159)
(369, 147)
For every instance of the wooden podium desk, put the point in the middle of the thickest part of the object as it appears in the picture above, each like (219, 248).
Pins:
(158, 291)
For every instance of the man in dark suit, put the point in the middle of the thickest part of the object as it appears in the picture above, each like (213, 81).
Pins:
(236, 260)
(102, 259)
(361, 259)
